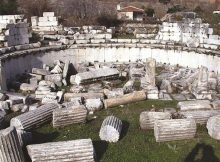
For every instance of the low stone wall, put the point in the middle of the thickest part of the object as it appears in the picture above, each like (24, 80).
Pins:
(19, 62)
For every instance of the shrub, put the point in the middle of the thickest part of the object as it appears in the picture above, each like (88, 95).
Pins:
(150, 12)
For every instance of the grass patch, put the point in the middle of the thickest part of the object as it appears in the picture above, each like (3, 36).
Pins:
(135, 145)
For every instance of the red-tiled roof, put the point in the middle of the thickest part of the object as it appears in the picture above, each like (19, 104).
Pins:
(131, 9)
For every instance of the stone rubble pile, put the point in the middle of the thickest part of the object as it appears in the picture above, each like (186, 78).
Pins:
(80, 35)
(188, 84)
(96, 86)
(190, 32)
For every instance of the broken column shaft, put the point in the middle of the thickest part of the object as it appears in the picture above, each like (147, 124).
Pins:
(76, 150)
(125, 99)
(10, 148)
(200, 116)
(110, 129)
(35, 118)
(175, 129)
(68, 116)
(147, 118)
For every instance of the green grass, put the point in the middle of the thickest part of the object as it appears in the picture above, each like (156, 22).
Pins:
(135, 145)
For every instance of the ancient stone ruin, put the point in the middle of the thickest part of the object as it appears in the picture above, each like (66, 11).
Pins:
(75, 74)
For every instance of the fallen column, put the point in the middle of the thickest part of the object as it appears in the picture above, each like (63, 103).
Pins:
(2, 117)
(10, 149)
(125, 99)
(75, 150)
(91, 95)
(147, 119)
(96, 75)
(194, 105)
(213, 126)
(110, 129)
(68, 116)
(200, 116)
(35, 118)
(40, 71)
(175, 129)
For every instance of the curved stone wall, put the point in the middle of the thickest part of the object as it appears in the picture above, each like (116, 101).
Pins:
(23, 61)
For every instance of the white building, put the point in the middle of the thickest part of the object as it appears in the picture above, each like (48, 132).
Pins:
(130, 13)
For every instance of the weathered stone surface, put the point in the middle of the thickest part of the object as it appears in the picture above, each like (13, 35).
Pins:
(136, 71)
(49, 99)
(77, 89)
(170, 110)
(17, 107)
(216, 104)
(114, 93)
(200, 116)
(91, 76)
(74, 102)
(194, 105)
(28, 87)
(179, 97)
(213, 126)
(152, 93)
(111, 129)
(35, 118)
(57, 70)
(2, 97)
(166, 85)
(33, 106)
(37, 76)
(66, 68)
(2, 116)
(150, 71)
(4, 105)
(68, 96)
(164, 96)
(40, 71)
(95, 88)
(55, 78)
(126, 99)
(76, 150)
(174, 129)
(129, 86)
(147, 118)
(68, 116)
(33, 81)
(94, 104)
(10, 148)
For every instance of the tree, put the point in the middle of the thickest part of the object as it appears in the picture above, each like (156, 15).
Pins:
(34, 7)
(198, 9)
(175, 9)
(150, 12)
(164, 1)
(8, 7)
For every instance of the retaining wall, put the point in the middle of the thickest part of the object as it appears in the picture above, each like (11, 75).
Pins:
(19, 62)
